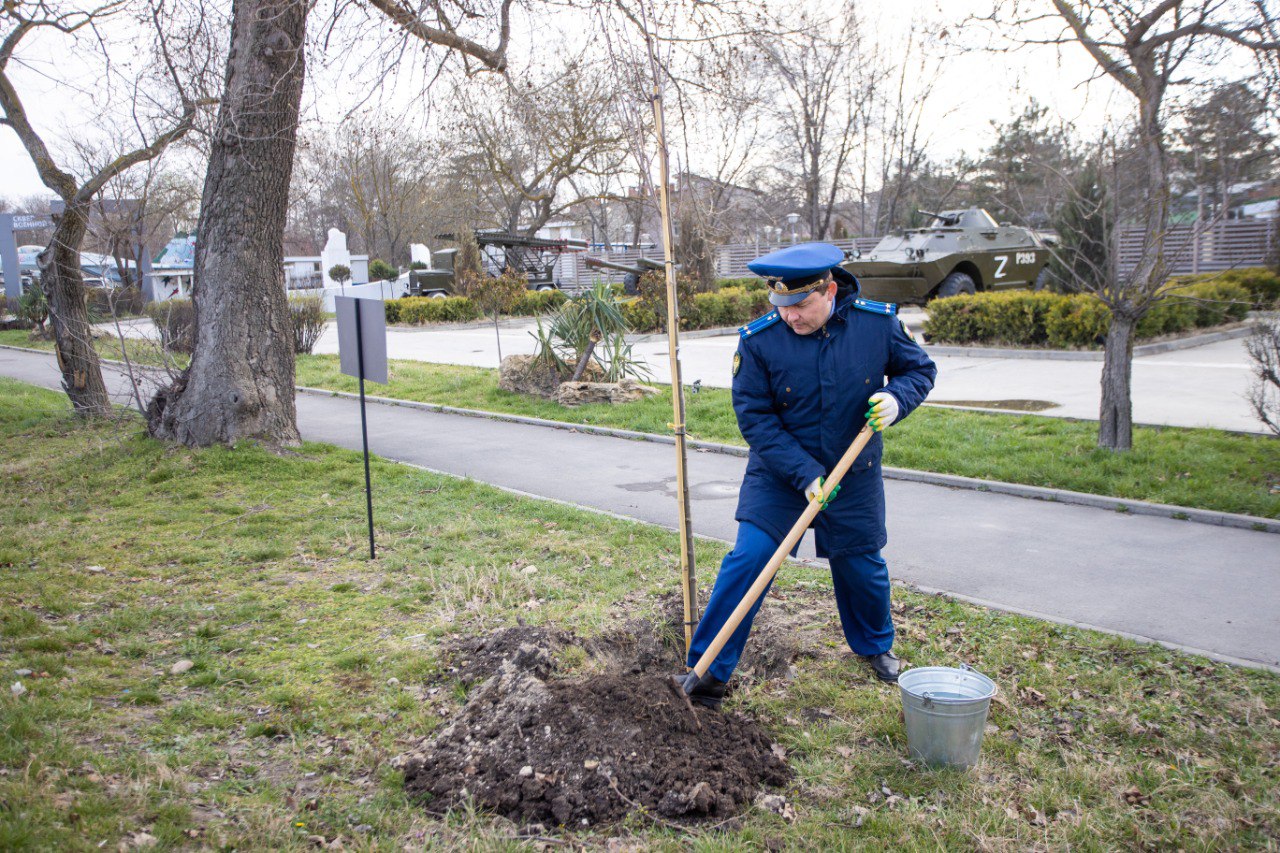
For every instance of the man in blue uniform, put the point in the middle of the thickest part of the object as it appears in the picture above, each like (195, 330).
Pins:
(806, 378)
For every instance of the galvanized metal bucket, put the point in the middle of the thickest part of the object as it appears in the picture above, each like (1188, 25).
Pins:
(946, 712)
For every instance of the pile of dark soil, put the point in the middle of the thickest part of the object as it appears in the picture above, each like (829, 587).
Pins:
(476, 659)
(575, 752)
(540, 749)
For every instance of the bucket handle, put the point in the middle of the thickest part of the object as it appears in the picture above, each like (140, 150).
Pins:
(927, 699)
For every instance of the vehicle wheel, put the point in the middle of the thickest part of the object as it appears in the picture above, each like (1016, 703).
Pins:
(437, 294)
(955, 284)
(543, 288)
(1042, 280)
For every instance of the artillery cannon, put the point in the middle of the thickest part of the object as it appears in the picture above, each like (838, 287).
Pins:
(499, 250)
(631, 277)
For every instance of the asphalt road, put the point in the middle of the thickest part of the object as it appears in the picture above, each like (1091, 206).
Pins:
(1196, 586)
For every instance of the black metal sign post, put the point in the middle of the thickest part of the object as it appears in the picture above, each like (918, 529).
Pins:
(364, 431)
(362, 348)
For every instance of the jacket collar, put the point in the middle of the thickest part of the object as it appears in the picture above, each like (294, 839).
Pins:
(847, 290)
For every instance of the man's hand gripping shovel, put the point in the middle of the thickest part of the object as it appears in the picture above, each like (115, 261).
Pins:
(688, 682)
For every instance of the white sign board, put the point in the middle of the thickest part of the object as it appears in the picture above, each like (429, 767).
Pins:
(29, 222)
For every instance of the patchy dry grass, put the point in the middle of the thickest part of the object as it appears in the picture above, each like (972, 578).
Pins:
(313, 667)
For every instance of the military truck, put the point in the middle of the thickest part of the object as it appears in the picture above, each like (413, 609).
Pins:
(960, 251)
(534, 256)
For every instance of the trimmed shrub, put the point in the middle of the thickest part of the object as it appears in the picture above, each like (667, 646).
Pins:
(1017, 319)
(751, 282)
(643, 317)
(1076, 321)
(1025, 318)
(419, 310)
(537, 302)
(380, 270)
(1261, 284)
(176, 320)
(308, 322)
(730, 306)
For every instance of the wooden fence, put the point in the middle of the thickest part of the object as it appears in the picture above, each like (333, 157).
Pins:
(1190, 249)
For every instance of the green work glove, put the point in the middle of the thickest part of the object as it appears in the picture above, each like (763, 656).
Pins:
(883, 412)
(815, 491)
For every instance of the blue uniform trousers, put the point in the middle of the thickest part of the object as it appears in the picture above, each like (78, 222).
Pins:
(862, 597)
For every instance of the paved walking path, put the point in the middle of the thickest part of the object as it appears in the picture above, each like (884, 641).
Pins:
(1192, 585)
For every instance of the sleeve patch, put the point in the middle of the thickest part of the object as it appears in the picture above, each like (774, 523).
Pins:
(737, 363)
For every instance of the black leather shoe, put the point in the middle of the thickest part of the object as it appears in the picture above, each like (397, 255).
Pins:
(708, 692)
(885, 666)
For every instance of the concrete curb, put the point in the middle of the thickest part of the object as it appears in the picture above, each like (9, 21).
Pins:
(1136, 507)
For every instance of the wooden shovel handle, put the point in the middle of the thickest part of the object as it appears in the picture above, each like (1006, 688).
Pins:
(806, 518)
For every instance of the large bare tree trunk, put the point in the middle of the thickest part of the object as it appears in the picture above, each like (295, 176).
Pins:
(240, 384)
(1115, 418)
(63, 285)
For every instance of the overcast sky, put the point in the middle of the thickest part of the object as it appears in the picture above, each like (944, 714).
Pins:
(976, 89)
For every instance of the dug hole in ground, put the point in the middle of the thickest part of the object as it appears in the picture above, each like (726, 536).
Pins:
(547, 751)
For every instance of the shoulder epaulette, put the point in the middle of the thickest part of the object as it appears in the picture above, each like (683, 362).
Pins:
(874, 307)
(759, 324)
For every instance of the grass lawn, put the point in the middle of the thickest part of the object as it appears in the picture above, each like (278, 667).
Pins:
(121, 557)
(139, 351)
(1200, 468)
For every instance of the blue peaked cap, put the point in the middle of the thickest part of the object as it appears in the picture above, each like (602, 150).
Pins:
(796, 271)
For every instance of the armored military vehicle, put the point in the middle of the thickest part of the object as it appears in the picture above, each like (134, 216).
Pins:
(534, 256)
(960, 251)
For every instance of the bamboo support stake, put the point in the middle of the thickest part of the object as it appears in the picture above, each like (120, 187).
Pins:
(687, 570)
(771, 568)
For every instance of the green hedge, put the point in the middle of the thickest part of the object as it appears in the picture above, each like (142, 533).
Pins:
(417, 310)
(750, 282)
(1025, 318)
(1262, 284)
(729, 306)
(537, 302)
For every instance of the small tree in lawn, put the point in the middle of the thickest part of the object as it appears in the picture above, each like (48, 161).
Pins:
(496, 295)
(468, 268)
(341, 274)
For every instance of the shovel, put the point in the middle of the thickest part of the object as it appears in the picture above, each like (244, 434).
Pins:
(688, 682)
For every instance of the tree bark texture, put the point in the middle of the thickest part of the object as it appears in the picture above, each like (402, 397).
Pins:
(1115, 417)
(240, 384)
(63, 286)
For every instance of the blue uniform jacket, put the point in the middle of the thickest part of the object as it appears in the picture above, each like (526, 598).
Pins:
(801, 399)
